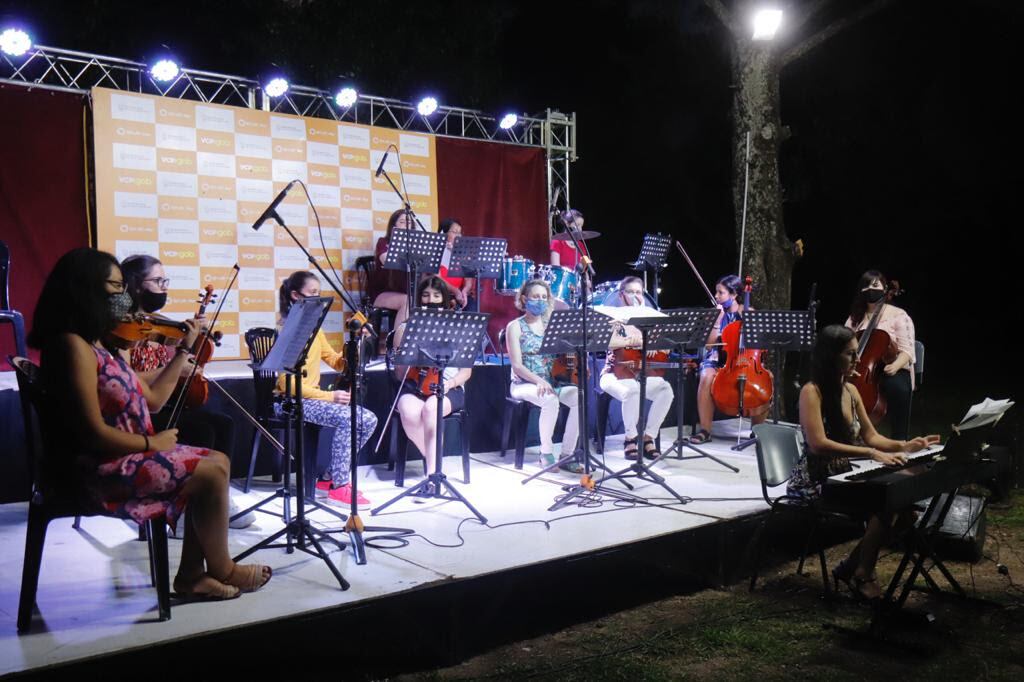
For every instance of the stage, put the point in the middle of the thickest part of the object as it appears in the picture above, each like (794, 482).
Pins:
(95, 598)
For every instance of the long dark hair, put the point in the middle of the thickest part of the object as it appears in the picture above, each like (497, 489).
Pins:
(446, 225)
(732, 283)
(831, 342)
(134, 270)
(391, 223)
(294, 282)
(74, 298)
(859, 307)
(436, 283)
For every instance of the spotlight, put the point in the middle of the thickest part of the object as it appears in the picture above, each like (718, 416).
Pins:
(346, 97)
(164, 70)
(766, 23)
(427, 106)
(508, 120)
(15, 42)
(276, 87)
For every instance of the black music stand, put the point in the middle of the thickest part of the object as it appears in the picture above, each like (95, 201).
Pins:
(686, 328)
(653, 258)
(414, 252)
(288, 355)
(776, 331)
(441, 339)
(639, 469)
(479, 258)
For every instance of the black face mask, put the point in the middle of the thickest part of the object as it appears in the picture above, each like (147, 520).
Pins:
(873, 295)
(434, 306)
(152, 301)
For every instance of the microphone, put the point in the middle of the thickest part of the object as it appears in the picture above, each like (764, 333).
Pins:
(271, 211)
(383, 160)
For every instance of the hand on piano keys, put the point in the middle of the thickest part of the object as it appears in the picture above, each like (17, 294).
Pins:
(862, 466)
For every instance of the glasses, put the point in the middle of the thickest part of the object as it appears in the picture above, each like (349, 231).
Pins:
(117, 284)
(161, 282)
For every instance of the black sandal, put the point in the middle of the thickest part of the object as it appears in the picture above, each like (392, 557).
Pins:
(702, 436)
(629, 448)
(651, 448)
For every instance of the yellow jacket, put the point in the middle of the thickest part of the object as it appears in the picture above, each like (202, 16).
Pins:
(319, 350)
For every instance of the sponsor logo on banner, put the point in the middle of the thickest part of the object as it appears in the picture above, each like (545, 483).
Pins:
(218, 255)
(132, 108)
(134, 157)
(184, 278)
(130, 132)
(386, 201)
(251, 275)
(227, 323)
(356, 178)
(218, 233)
(288, 128)
(256, 169)
(293, 214)
(322, 152)
(217, 188)
(415, 145)
(255, 301)
(391, 165)
(381, 138)
(181, 231)
(177, 184)
(331, 238)
(217, 165)
(218, 210)
(180, 301)
(286, 170)
(176, 112)
(323, 175)
(290, 258)
(252, 122)
(258, 146)
(356, 239)
(357, 218)
(413, 164)
(176, 161)
(355, 198)
(137, 228)
(252, 320)
(255, 257)
(290, 150)
(330, 216)
(355, 159)
(178, 208)
(334, 323)
(250, 237)
(175, 137)
(301, 233)
(325, 195)
(230, 302)
(218, 277)
(215, 141)
(323, 131)
(221, 119)
(248, 212)
(129, 247)
(353, 136)
(132, 205)
(417, 184)
(254, 190)
(179, 254)
(135, 181)
(231, 347)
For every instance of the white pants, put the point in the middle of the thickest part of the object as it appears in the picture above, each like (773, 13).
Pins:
(627, 391)
(549, 414)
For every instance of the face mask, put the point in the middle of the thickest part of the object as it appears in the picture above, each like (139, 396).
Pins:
(152, 301)
(535, 307)
(120, 305)
(727, 303)
(873, 295)
(634, 299)
(433, 306)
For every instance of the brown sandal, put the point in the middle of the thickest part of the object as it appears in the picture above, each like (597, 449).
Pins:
(204, 588)
(249, 577)
(629, 448)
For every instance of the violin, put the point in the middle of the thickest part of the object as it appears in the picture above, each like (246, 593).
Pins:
(875, 350)
(628, 362)
(743, 384)
(145, 327)
(564, 369)
(197, 391)
(425, 378)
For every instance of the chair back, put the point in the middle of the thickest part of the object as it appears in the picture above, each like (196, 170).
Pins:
(5, 269)
(259, 341)
(918, 362)
(778, 451)
(31, 394)
(364, 266)
(506, 375)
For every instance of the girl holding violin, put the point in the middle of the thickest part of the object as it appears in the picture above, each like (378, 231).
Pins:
(836, 428)
(727, 291)
(117, 458)
(418, 407)
(895, 380)
(327, 408)
(532, 378)
(460, 288)
(389, 288)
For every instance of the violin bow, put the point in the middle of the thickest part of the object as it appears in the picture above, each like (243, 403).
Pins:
(696, 274)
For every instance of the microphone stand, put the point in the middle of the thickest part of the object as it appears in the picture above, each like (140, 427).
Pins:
(412, 272)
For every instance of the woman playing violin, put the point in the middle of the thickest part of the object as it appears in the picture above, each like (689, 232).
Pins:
(417, 409)
(327, 408)
(896, 381)
(120, 461)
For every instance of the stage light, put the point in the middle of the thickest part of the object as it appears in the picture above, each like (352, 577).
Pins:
(276, 87)
(766, 23)
(508, 120)
(346, 97)
(164, 70)
(427, 106)
(15, 42)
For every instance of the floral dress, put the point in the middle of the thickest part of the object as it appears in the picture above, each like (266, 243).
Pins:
(541, 365)
(141, 485)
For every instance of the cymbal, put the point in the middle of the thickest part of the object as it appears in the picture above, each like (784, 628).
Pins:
(580, 234)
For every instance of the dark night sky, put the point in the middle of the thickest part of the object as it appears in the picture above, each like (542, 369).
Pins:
(905, 140)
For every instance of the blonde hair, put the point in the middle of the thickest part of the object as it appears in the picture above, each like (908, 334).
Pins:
(524, 290)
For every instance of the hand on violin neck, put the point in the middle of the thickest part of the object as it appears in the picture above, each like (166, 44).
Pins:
(192, 333)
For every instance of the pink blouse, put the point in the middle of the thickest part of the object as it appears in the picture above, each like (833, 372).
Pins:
(897, 324)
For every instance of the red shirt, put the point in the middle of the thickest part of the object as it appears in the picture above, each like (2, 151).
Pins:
(566, 252)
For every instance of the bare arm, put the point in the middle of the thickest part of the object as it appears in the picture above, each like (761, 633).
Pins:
(460, 378)
(515, 356)
(870, 435)
(818, 441)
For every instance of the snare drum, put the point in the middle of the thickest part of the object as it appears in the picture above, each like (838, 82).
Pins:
(515, 272)
(565, 283)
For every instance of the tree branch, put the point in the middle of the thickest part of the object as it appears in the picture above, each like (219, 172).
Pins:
(807, 14)
(723, 14)
(802, 48)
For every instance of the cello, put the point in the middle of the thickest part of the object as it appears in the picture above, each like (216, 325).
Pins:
(744, 386)
(875, 350)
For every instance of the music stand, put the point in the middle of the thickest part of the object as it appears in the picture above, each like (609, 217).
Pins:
(414, 252)
(653, 258)
(776, 331)
(686, 328)
(288, 355)
(479, 258)
(441, 339)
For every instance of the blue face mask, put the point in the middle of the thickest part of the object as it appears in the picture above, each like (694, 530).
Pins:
(535, 307)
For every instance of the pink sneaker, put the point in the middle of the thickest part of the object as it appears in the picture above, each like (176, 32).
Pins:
(343, 495)
(322, 488)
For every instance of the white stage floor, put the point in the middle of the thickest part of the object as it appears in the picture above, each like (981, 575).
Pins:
(95, 598)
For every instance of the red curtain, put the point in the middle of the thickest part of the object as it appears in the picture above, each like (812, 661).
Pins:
(495, 190)
(42, 189)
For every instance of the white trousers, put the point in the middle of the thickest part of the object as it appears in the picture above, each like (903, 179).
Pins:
(627, 391)
(549, 414)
